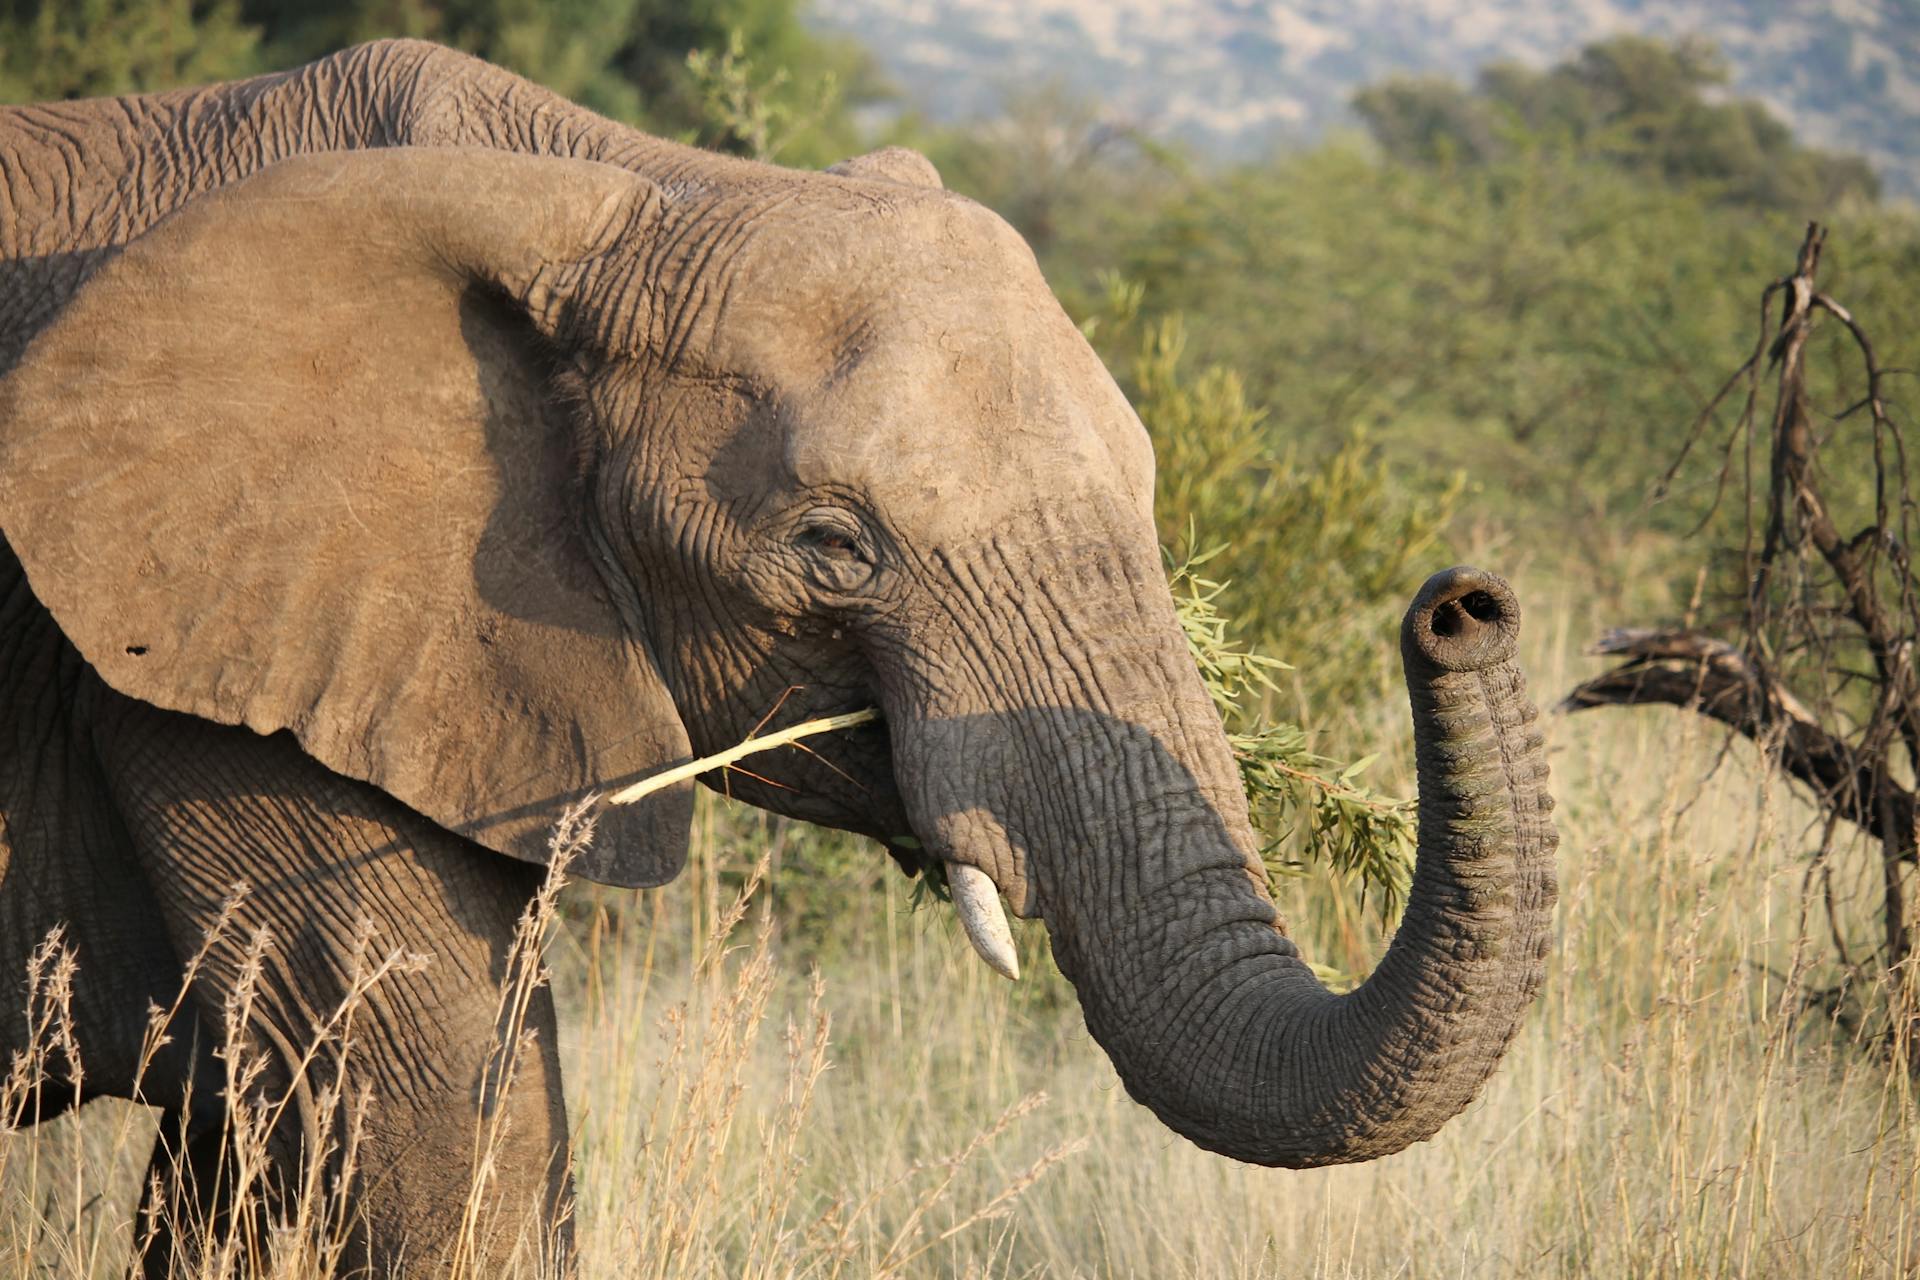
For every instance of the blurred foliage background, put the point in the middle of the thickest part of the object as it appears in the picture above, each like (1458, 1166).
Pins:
(627, 59)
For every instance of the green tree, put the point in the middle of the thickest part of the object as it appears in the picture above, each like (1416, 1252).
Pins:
(1548, 322)
(1430, 120)
(94, 48)
(1650, 107)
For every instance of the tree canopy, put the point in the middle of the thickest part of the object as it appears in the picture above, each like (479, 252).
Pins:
(1647, 106)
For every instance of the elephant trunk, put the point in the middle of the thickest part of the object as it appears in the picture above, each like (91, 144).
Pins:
(1209, 1014)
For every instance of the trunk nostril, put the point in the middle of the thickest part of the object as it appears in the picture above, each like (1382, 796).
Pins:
(1463, 620)
(1481, 606)
(1457, 616)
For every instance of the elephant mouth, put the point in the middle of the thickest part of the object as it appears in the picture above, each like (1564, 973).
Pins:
(842, 779)
(847, 779)
(970, 854)
(913, 857)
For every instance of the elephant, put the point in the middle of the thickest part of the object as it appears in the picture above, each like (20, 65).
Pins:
(394, 456)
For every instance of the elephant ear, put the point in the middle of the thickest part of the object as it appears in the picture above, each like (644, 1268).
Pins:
(291, 460)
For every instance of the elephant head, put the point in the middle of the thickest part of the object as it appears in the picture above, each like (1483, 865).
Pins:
(499, 479)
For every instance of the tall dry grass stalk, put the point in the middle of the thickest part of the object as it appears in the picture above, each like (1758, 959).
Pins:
(698, 1154)
(1673, 1107)
(689, 1196)
(268, 1233)
(273, 1222)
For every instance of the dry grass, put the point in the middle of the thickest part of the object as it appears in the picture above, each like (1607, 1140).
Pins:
(1668, 1110)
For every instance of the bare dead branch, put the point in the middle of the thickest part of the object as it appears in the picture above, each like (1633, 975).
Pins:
(1836, 612)
(1697, 672)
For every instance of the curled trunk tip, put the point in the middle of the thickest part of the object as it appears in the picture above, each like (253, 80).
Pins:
(1463, 619)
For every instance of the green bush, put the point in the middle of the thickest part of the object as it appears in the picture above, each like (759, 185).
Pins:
(1308, 809)
(95, 48)
(1325, 544)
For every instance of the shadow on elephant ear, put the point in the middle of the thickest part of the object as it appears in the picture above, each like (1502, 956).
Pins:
(536, 532)
(35, 289)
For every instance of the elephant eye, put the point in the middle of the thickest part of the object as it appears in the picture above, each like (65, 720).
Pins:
(839, 556)
(832, 537)
(832, 541)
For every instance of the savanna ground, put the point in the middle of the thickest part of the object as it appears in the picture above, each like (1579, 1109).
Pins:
(1667, 1110)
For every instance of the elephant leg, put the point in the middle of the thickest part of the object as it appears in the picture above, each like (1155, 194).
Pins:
(75, 910)
(390, 1090)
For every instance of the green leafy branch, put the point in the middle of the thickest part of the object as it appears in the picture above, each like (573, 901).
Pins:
(750, 111)
(1306, 807)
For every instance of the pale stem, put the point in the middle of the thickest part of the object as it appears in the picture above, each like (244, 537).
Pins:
(752, 746)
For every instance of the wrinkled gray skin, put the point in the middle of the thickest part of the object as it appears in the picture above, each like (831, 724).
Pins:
(377, 503)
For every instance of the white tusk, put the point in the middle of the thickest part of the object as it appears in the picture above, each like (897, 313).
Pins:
(978, 903)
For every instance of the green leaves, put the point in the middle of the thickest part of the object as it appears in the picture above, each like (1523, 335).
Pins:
(1234, 676)
(1307, 807)
(96, 48)
(743, 103)
(1326, 551)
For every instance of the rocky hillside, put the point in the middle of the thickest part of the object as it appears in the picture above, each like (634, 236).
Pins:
(1236, 75)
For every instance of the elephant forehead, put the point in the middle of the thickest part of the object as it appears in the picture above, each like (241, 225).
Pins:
(917, 355)
(799, 287)
(966, 423)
